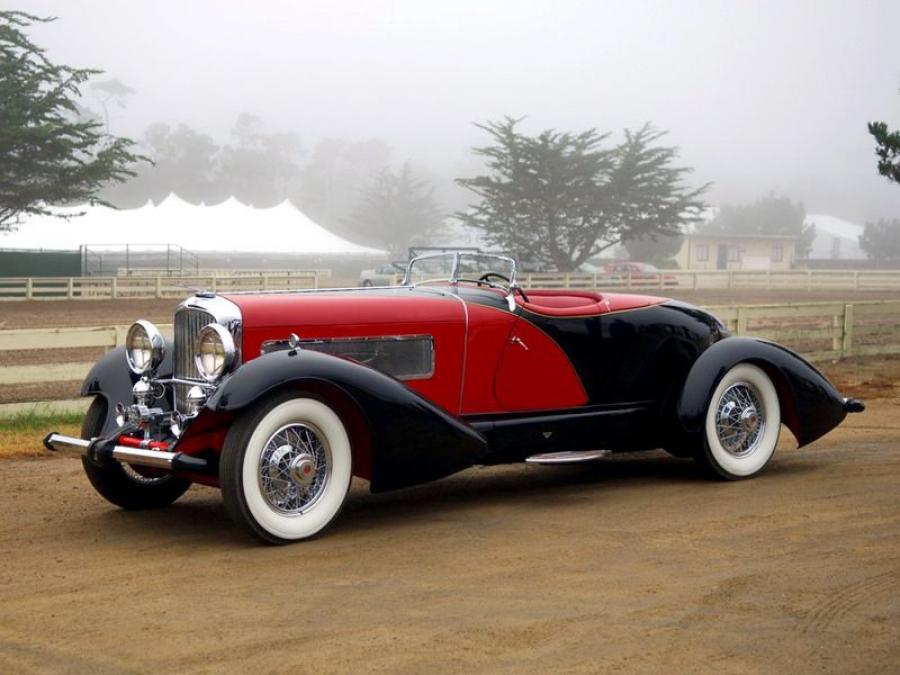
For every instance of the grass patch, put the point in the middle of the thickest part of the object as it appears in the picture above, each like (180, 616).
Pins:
(22, 435)
(35, 421)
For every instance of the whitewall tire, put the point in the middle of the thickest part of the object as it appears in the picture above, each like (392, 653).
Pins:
(742, 423)
(285, 469)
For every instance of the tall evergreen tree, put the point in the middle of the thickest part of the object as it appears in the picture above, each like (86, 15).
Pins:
(397, 210)
(562, 197)
(49, 154)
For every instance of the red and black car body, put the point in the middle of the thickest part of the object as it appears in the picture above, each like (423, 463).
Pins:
(431, 378)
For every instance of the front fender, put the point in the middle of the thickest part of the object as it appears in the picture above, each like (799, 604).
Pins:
(411, 440)
(111, 378)
(810, 405)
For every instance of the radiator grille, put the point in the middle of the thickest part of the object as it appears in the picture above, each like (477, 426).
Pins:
(188, 323)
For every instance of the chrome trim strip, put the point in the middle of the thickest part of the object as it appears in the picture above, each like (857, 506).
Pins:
(358, 289)
(265, 347)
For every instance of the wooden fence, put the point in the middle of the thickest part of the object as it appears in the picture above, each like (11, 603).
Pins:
(803, 280)
(165, 286)
(136, 287)
(820, 331)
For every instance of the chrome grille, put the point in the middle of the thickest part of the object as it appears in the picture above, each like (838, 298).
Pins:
(188, 323)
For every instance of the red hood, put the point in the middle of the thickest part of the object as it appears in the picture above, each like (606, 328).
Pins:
(343, 308)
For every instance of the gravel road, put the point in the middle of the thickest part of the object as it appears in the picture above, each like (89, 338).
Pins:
(631, 564)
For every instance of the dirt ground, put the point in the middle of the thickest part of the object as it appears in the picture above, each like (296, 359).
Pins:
(633, 564)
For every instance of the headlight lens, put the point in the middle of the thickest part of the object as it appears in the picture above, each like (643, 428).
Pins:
(215, 352)
(145, 347)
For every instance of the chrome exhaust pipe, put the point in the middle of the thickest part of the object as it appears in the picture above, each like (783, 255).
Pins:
(159, 459)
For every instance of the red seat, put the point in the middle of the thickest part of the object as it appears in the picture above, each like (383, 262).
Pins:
(564, 303)
(581, 303)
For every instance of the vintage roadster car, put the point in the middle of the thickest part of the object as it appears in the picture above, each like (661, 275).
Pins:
(279, 398)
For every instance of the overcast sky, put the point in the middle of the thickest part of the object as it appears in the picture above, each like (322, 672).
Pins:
(760, 96)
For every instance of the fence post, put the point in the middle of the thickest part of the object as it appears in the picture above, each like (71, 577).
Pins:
(837, 332)
(70, 288)
(730, 279)
(628, 279)
(115, 288)
(595, 281)
(847, 343)
(855, 280)
(29, 288)
(741, 321)
(694, 280)
(808, 281)
(265, 282)
(769, 279)
(158, 286)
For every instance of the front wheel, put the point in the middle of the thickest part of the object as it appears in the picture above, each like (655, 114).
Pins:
(742, 424)
(131, 488)
(285, 468)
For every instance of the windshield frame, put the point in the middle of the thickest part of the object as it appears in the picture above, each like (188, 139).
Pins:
(454, 274)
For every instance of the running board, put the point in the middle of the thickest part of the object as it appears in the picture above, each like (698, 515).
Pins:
(567, 457)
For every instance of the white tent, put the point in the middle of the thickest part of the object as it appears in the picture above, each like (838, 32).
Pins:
(227, 227)
(836, 239)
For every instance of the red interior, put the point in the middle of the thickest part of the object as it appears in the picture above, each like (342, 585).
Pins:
(582, 303)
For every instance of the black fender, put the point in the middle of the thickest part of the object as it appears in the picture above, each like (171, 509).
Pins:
(111, 378)
(810, 405)
(410, 440)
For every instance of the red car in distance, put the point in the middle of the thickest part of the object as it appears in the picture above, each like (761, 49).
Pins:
(636, 274)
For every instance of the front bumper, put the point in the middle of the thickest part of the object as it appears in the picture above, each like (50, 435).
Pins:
(104, 450)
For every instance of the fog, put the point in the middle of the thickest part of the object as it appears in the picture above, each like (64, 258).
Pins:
(760, 96)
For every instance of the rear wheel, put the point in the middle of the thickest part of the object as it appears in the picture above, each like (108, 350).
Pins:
(285, 468)
(124, 485)
(742, 424)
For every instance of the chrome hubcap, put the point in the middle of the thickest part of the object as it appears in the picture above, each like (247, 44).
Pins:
(294, 468)
(740, 419)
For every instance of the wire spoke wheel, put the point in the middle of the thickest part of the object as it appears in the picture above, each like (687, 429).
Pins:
(286, 467)
(294, 468)
(740, 419)
(743, 421)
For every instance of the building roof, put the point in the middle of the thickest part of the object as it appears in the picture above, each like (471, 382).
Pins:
(730, 235)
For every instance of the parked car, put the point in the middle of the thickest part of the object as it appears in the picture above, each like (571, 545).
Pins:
(637, 274)
(280, 398)
(383, 275)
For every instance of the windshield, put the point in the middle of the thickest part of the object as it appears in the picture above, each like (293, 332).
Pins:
(454, 267)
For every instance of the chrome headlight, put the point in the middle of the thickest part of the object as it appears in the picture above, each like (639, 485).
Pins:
(145, 347)
(215, 352)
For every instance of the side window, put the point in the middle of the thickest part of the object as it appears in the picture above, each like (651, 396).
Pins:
(777, 253)
(702, 252)
(406, 357)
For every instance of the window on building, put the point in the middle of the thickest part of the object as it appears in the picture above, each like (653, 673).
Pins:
(734, 254)
(777, 253)
(701, 252)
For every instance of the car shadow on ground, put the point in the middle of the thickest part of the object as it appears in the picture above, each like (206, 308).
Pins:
(200, 516)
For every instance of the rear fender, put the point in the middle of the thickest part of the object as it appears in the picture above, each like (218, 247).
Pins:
(405, 439)
(810, 405)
